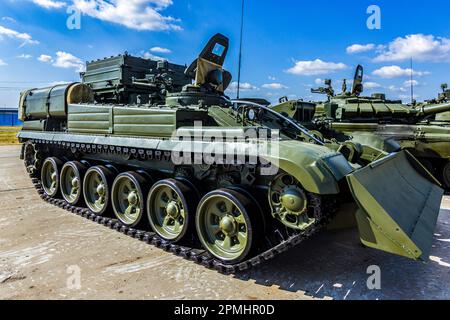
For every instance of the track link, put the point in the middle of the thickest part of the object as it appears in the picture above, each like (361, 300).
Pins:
(199, 256)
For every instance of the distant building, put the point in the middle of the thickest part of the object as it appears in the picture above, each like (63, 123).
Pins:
(9, 117)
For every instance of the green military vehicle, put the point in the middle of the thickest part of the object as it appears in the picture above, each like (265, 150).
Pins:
(226, 184)
(380, 123)
(443, 98)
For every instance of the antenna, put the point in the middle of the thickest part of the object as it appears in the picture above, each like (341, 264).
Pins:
(412, 84)
(240, 51)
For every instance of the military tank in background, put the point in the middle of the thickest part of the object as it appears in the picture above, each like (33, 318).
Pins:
(229, 184)
(379, 122)
(443, 98)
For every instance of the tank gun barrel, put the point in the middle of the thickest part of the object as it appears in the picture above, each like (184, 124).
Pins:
(435, 109)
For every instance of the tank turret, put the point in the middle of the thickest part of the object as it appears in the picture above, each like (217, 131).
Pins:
(351, 106)
(377, 109)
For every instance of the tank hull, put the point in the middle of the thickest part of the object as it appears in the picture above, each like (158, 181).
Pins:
(153, 156)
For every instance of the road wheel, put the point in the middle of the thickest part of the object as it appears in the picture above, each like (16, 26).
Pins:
(50, 176)
(96, 189)
(72, 175)
(290, 203)
(128, 198)
(227, 226)
(32, 158)
(170, 208)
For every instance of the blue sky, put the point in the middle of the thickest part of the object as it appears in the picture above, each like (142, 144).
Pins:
(289, 46)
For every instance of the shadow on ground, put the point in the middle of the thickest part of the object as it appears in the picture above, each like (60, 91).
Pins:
(334, 265)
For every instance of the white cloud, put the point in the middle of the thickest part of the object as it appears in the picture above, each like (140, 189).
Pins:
(315, 67)
(319, 81)
(160, 50)
(68, 61)
(358, 48)
(45, 58)
(371, 85)
(9, 19)
(25, 56)
(408, 83)
(50, 4)
(2, 63)
(13, 34)
(272, 78)
(64, 60)
(390, 72)
(133, 14)
(244, 86)
(148, 55)
(394, 88)
(420, 47)
(274, 86)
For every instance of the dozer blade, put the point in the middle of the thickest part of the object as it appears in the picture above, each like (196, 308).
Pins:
(399, 203)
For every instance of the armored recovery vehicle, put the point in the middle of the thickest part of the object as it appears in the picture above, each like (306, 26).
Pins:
(381, 123)
(165, 174)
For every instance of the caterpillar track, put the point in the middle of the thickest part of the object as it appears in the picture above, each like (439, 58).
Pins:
(190, 250)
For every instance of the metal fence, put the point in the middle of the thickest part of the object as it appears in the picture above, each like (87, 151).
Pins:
(9, 117)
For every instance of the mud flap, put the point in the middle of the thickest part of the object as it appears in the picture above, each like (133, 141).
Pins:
(399, 203)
